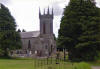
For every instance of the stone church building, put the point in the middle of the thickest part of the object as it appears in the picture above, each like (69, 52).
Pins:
(41, 43)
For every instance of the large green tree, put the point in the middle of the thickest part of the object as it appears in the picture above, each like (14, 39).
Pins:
(9, 38)
(80, 29)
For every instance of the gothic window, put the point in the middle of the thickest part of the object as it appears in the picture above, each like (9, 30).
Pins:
(44, 28)
(50, 28)
(29, 45)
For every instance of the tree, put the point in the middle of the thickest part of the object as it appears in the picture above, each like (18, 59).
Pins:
(9, 38)
(23, 30)
(79, 30)
(19, 30)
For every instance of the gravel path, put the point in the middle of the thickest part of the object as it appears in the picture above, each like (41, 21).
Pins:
(95, 67)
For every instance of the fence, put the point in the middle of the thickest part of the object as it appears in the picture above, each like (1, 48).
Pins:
(56, 61)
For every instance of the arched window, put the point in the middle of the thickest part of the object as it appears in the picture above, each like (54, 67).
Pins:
(44, 28)
(29, 45)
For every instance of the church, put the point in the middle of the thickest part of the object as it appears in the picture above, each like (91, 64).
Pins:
(40, 43)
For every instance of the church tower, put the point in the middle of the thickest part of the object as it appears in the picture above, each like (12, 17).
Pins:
(46, 22)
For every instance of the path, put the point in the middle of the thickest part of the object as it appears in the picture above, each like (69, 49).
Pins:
(95, 67)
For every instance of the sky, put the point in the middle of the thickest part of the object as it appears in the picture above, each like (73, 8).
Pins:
(26, 12)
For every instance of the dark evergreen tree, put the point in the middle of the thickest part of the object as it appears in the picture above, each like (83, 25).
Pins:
(80, 29)
(9, 38)
(19, 30)
(23, 30)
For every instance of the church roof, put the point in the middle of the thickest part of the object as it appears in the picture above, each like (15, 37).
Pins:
(30, 34)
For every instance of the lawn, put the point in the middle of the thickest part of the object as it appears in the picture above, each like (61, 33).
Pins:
(39, 64)
(16, 64)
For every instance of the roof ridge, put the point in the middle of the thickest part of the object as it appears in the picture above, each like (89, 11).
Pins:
(30, 34)
(29, 31)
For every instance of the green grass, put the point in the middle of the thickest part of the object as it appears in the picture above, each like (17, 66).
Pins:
(62, 65)
(39, 64)
(16, 64)
(68, 65)
(82, 65)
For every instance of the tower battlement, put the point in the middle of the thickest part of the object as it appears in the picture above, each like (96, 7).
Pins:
(48, 15)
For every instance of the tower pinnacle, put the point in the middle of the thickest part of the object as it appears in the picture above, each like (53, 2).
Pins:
(44, 11)
(48, 11)
(39, 12)
(52, 12)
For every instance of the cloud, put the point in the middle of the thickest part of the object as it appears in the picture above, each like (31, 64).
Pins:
(59, 7)
(26, 15)
(6, 2)
(98, 3)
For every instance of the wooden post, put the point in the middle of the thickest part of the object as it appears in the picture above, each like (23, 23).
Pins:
(64, 54)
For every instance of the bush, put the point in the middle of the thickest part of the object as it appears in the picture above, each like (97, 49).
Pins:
(1, 52)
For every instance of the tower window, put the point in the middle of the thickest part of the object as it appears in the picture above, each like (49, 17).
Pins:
(44, 28)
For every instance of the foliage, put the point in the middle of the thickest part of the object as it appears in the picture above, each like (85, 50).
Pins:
(95, 63)
(80, 29)
(9, 38)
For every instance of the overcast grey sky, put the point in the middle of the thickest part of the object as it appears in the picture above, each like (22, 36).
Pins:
(25, 12)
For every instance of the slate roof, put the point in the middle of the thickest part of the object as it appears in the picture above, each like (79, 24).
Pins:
(30, 34)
